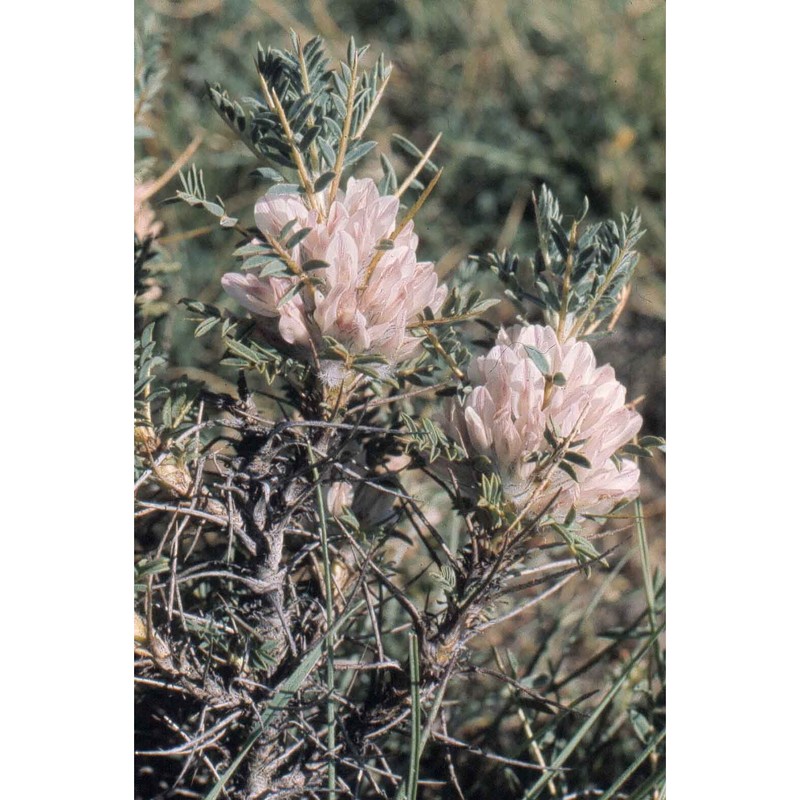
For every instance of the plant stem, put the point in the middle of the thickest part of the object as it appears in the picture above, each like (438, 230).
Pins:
(403, 222)
(379, 94)
(339, 166)
(418, 168)
(297, 156)
(566, 284)
(326, 566)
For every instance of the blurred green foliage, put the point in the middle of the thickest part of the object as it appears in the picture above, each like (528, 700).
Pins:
(571, 93)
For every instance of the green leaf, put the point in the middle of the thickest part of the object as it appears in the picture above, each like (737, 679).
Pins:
(290, 294)
(484, 305)
(323, 181)
(268, 174)
(274, 267)
(243, 350)
(205, 326)
(285, 188)
(327, 152)
(560, 239)
(370, 358)
(152, 567)
(564, 467)
(538, 359)
(257, 261)
(198, 307)
(252, 249)
(401, 143)
(357, 152)
(632, 449)
(308, 137)
(297, 237)
(551, 436)
(315, 263)
(577, 459)
(653, 441)
(641, 725)
(368, 371)
(388, 184)
(213, 208)
(286, 228)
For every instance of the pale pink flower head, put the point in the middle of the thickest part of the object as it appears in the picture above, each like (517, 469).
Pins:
(505, 417)
(366, 317)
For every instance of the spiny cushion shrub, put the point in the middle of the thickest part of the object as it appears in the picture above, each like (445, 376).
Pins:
(323, 555)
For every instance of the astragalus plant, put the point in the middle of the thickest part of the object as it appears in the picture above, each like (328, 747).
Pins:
(317, 552)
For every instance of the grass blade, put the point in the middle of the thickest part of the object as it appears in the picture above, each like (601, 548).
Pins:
(408, 789)
(647, 574)
(657, 781)
(416, 718)
(619, 782)
(537, 788)
(329, 679)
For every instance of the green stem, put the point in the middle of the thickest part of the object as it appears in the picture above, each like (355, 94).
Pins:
(584, 318)
(416, 718)
(647, 574)
(566, 285)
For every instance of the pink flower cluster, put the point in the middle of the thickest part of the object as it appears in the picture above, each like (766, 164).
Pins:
(505, 416)
(366, 316)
